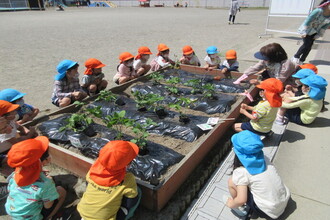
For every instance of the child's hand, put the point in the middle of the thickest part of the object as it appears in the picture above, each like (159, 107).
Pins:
(254, 81)
(244, 106)
(32, 132)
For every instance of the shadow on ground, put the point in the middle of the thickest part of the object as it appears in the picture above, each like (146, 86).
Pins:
(320, 122)
(299, 38)
(292, 136)
(319, 62)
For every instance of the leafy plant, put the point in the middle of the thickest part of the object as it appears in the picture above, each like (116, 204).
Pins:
(96, 111)
(156, 77)
(196, 85)
(106, 95)
(208, 90)
(77, 122)
(117, 121)
(141, 133)
(172, 88)
(176, 62)
(149, 101)
(182, 102)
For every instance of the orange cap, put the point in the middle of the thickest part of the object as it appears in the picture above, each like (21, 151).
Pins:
(141, 51)
(25, 157)
(92, 63)
(187, 50)
(6, 107)
(231, 54)
(273, 87)
(110, 167)
(125, 56)
(309, 66)
(162, 47)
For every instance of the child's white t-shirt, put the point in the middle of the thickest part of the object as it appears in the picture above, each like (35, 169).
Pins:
(162, 62)
(4, 144)
(194, 60)
(214, 61)
(138, 64)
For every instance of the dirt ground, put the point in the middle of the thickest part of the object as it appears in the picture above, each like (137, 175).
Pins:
(34, 42)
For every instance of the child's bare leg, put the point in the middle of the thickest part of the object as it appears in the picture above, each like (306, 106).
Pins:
(237, 127)
(102, 85)
(232, 188)
(65, 102)
(92, 88)
(62, 194)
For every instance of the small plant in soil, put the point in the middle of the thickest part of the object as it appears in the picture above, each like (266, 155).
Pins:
(77, 122)
(118, 121)
(208, 91)
(147, 101)
(156, 77)
(195, 84)
(96, 111)
(176, 62)
(106, 95)
(140, 130)
(182, 102)
(172, 88)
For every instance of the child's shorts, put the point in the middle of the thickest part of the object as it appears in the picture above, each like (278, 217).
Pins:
(248, 126)
(294, 115)
(250, 202)
(56, 102)
(46, 212)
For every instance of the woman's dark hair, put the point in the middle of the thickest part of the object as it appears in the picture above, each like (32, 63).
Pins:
(322, 2)
(44, 156)
(73, 67)
(237, 163)
(274, 52)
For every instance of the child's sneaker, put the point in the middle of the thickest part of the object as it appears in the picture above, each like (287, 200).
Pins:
(240, 211)
(281, 121)
(296, 61)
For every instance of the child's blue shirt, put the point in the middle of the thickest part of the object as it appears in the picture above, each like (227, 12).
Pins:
(24, 109)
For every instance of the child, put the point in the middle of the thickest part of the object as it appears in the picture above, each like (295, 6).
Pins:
(32, 194)
(255, 181)
(66, 86)
(273, 63)
(234, 7)
(231, 63)
(313, 27)
(140, 62)
(212, 59)
(125, 69)
(189, 57)
(7, 139)
(309, 66)
(25, 112)
(291, 91)
(264, 113)
(111, 192)
(162, 59)
(304, 109)
(92, 81)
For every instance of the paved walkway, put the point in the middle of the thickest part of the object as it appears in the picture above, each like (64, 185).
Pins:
(302, 158)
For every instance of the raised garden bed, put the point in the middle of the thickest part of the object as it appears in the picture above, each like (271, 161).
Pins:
(175, 148)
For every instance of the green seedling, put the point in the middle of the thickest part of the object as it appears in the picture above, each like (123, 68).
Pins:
(172, 88)
(208, 90)
(148, 101)
(176, 62)
(156, 78)
(106, 95)
(118, 121)
(97, 112)
(140, 130)
(77, 122)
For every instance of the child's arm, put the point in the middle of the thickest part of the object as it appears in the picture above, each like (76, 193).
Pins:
(244, 110)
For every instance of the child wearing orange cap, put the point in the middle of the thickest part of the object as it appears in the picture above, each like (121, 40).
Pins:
(32, 194)
(15, 132)
(162, 59)
(140, 62)
(231, 63)
(111, 192)
(189, 57)
(92, 81)
(264, 113)
(125, 69)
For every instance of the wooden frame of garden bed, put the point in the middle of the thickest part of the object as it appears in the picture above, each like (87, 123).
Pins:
(153, 197)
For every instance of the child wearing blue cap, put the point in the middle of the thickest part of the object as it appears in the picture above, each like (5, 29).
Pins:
(66, 86)
(25, 111)
(304, 109)
(255, 182)
(212, 59)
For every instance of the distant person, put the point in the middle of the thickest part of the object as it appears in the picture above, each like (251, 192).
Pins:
(230, 64)
(255, 182)
(125, 70)
(274, 63)
(304, 109)
(59, 8)
(93, 80)
(25, 111)
(186, 4)
(162, 60)
(111, 192)
(264, 113)
(189, 57)
(317, 22)
(140, 61)
(66, 86)
(234, 7)
(32, 193)
(212, 58)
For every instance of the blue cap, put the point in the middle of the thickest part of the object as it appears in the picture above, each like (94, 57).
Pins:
(212, 50)
(317, 85)
(260, 56)
(11, 95)
(303, 73)
(62, 67)
(248, 148)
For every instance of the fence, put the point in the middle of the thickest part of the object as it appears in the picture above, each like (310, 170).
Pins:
(14, 4)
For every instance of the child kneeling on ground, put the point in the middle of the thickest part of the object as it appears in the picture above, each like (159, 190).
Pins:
(140, 61)
(111, 192)
(264, 113)
(162, 60)
(189, 57)
(66, 86)
(92, 81)
(255, 181)
(125, 69)
(32, 193)
(304, 109)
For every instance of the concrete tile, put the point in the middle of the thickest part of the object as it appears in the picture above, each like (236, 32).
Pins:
(217, 194)
(212, 207)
